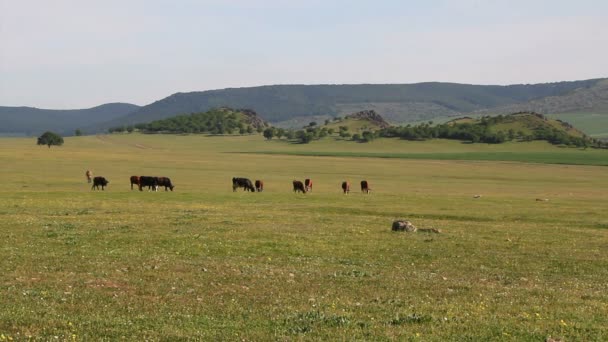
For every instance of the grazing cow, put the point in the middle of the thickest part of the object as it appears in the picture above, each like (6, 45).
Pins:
(150, 182)
(259, 185)
(134, 180)
(346, 187)
(308, 184)
(365, 187)
(245, 183)
(298, 186)
(99, 181)
(164, 181)
(89, 176)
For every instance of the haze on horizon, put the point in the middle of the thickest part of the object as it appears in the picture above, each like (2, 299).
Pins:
(79, 54)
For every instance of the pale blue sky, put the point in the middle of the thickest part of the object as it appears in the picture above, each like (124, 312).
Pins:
(82, 53)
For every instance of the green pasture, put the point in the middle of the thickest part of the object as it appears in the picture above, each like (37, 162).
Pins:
(594, 124)
(524, 261)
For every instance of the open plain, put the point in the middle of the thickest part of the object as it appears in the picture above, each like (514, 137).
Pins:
(525, 260)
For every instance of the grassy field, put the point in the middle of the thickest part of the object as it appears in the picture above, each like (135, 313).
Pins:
(593, 124)
(208, 264)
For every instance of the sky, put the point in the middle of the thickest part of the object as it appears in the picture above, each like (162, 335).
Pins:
(64, 54)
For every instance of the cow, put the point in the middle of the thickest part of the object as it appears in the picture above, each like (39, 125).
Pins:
(298, 186)
(308, 184)
(134, 180)
(346, 187)
(150, 182)
(365, 187)
(259, 185)
(164, 181)
(245, 183)
(89, 176)
(99, 181)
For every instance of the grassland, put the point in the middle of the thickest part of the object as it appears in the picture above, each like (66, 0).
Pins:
(205, 263)
(594, 124)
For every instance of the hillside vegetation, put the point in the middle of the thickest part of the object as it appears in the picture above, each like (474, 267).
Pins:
(215, 121)
(498, 129)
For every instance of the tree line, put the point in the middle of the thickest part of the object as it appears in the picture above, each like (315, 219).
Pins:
(211, 122)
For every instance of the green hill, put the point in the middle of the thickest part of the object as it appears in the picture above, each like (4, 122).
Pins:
(215, 121)
(498, 129)
(361, 121)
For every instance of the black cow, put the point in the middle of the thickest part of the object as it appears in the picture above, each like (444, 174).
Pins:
(164, 181)
(308, 184)
(346, 187)
(150, 182)
(259, 185)
(99, 181)
(365, 187)
(245, 183)
(298, 186)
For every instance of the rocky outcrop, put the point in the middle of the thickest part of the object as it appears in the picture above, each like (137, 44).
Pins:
(253, 119)
(371, 116)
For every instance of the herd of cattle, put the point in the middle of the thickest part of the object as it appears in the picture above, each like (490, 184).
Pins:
(298, 186)
(153, 183)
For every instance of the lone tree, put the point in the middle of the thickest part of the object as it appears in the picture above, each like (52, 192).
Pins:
(50, 138)
(269, 133)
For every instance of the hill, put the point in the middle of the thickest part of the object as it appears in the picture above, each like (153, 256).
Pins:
(398, 103)
(363, 120)
(585, 99)
(215, 121)
(33, 121)
(519, 126)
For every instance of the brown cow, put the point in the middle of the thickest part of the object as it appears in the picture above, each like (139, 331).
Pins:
(298, 186)
(134, 180)
(259, 185)
(365, 187)
(308, 184)
(346, 187)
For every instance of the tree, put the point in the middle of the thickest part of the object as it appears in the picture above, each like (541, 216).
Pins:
(77, 132)
(268, 133)
(50, 138)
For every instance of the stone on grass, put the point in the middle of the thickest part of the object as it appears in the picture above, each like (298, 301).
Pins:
(403, 226)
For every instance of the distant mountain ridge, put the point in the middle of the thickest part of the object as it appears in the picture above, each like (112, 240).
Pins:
(594, 98)
(291, 105)
(33, 121)
(396, 102)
